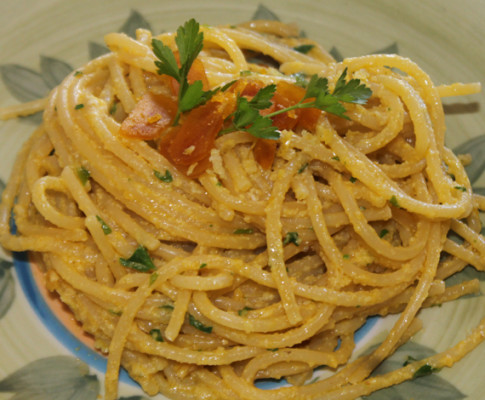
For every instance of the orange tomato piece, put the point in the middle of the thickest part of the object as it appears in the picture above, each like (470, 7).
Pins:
(196, 73)
(192, 141)
(151, 115)
(264, 152)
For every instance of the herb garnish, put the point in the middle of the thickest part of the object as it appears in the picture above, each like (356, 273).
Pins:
(243, 231)
(189, 43)
(105, 227)
(424, 370)
(292, 237)
(383, 233)
(199, 325)
(243, 311)
(247, 117)
(167, 177)
(393, 200)
(157, 335)
(78, 106)
(140, 260)
(83, 174)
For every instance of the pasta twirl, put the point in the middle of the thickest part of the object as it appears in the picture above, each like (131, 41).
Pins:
(202, 265)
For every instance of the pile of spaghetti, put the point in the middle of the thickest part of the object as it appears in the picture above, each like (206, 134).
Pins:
(227, 204)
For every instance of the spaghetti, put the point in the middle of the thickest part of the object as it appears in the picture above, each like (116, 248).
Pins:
(203, 263)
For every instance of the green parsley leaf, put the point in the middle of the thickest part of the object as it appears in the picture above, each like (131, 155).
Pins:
(352, 179)
(243, 311)
(336, 158)
(199, 325)
(242, 231)
(292, 237)
(189, 41)
(77, 73)
(275, 349)
(425, 370)
(140, 260)
(461, 188)
(393, 200)
(167, 177)
(346, 257)
(78, 106)
(352, 91)
(153, 278)
(383, 233)
(167, 307)
(262, 99)
(203, 265)
(113, 108)
(83, 174)
(303, 168)
(106, 229)
(409, 360)
(304, 48)
(156, 335)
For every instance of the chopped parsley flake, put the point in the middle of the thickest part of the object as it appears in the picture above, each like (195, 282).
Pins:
(393, 200)
(140, 260)
(83, 174)
(153, 278)
(203, 265)
(113, 108)
(303, 168)
(242, 231)
(292, 237)
(461, 188)
(424, 370)
(243, 311)
(156, 335)
(383, 233)
(106, 229)
(199, 325)
(78, 106)
(167, 177)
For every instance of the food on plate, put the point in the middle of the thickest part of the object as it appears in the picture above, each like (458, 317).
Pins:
(221, 205)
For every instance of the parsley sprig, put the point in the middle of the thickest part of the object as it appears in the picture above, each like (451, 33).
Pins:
(189, 41)
(247, 116)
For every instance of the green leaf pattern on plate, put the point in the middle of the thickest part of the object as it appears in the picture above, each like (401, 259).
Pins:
(135, 20)
(7, 287)
(264, 12)
(430, 387)
(58, 377)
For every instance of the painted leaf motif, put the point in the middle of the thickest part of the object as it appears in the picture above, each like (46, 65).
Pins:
(96, 50)
(476, 148)
(479, 190)
(58, 377)
(264, 12)
(391, 49)
(134, 21)
(53, 70)
(23, 83)
(336, 54)
(430, 387)
(7, 287)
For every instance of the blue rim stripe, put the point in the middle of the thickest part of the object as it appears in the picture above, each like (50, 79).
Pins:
(52, 323)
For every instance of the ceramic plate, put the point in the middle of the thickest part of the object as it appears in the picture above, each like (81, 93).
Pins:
(43, 354)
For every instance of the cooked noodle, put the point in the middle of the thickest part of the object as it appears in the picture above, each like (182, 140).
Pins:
(259, 272)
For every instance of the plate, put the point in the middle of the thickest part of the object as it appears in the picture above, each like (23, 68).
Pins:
(40, 42)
